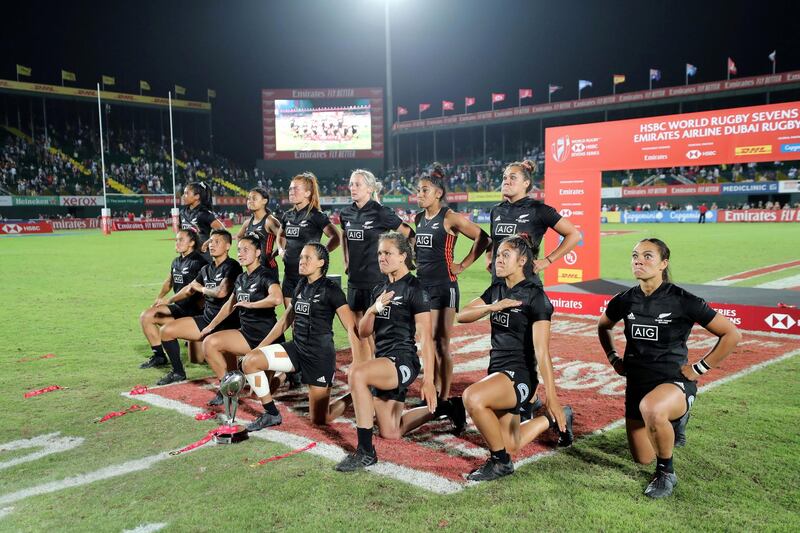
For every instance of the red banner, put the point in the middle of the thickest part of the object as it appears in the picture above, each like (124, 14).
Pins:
(76, 223)
(158, 200)
(24, 228)
(123, 225)
(671, 190)
(749, 317)
(230, 200)
(758, 215)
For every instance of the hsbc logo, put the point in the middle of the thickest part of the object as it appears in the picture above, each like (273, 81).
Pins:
(780, 321)
(355, 234)
(571, 258)
(424, 240)
(292, 231)
(560, 149)
(302, 308)
(645, 333)
(505, 229)
(578, 148)
(694, 154)
(565, 212)
(501, 319)
(11, 229)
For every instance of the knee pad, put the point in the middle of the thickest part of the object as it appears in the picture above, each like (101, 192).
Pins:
(258, 383)
(277, 358)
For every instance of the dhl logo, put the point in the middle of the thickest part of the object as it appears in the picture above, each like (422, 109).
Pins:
(754, 150)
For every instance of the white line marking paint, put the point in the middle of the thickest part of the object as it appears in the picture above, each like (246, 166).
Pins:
(783, 283)
(147, 528)
(50, 443)
(5, 511)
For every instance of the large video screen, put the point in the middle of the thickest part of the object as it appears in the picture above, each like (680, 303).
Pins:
(323, 123)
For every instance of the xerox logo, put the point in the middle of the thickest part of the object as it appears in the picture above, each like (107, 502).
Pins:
(500, 318)
(292, 231)
(571, 258)
(424, 240)
(355, 234)
(780, 321)
(505, 229)
(302, 308)
(645, 333)
(560, 149)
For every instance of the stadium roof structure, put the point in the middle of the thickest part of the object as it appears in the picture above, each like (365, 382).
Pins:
(782, 81)
(20, 88)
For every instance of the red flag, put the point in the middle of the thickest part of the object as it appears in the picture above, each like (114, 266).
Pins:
(498, 97)
(731, 66)
(448, 106)
(469, 101)
(401, 111)
(525, 93)
(424, 107)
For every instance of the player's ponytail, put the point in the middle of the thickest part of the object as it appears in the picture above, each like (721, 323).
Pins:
(202, 190)
(528, 169)
(663, 251)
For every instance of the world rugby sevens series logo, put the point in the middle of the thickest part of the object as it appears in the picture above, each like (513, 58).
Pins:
(560, 149)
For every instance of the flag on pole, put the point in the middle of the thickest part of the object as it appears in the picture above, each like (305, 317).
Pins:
(553, 88)
(180, 90)
(731, 66)
(772, 56)
(619, 78)
(108, 80)
(144, 86)
(469, 101)
(401, 111)
(582, 84)
(691, 70)
(23, 70)
(448, 106)
(655, 74)
(498, 97)
(212, 93)
(525, 93)
(424, 107)
(68, 76)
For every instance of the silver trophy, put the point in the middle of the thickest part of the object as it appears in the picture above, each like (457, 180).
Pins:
(230, 387)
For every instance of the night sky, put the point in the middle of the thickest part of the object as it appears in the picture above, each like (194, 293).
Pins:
(442, 49)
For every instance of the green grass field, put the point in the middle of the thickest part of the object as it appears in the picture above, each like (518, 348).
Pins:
(78, 295)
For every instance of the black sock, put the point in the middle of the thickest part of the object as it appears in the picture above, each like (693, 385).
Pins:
(365, 439)
(173, 350)
(501, 456)
(443, 408)
(664, 465)
(158, 351)
(271, 408)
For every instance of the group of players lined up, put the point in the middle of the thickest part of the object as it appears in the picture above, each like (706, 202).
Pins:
(230, 306)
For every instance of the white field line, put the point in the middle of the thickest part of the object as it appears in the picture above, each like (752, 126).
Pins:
(725, 281)
(147, 528)
(783, 283)
(5, 511)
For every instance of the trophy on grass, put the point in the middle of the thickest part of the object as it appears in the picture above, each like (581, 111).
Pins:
(230, 386)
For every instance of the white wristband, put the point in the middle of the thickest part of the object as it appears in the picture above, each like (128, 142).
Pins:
(379, 307)
(701, 367)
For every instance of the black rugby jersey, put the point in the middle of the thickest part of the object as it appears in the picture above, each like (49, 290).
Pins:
(198, 219)
(300, 228)
(361, 228)
(656, 330)
(512, 341)
(253, 287)
(434, 248)
(267, 243)
(523, 216)
(315, 306)
(395, 327)
(183, 271)
(211, 277)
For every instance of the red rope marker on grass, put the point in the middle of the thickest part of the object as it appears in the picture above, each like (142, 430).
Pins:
(208, 437)
(27, 359)
(113, 414)
(138, 389)
(205, 416)
(32, 393)
(284, 456)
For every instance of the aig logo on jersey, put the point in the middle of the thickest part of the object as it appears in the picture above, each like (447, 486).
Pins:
(424, 240)
(242, 297)
(292, 231)
(355, 234)
(505, 229)
(177, 278)
(644, 333)
(386, 313)
(302, 308)
(500, 318)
